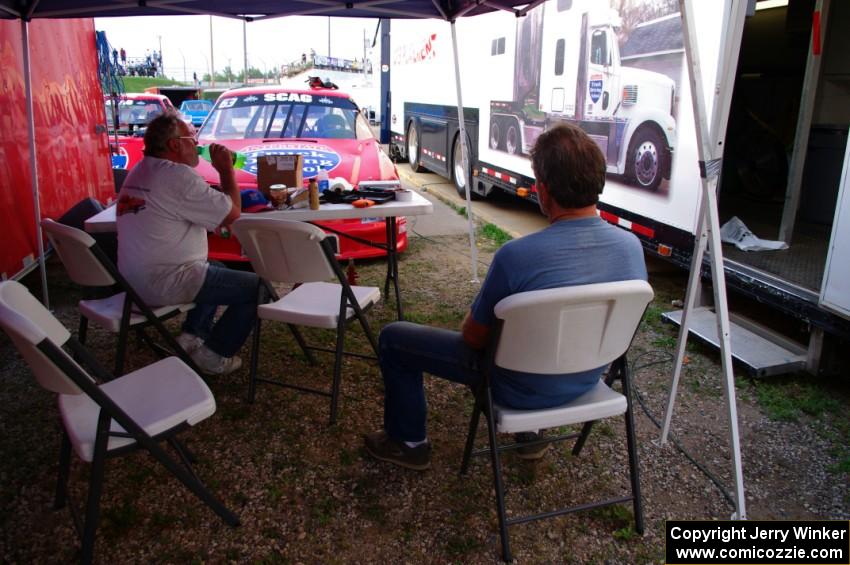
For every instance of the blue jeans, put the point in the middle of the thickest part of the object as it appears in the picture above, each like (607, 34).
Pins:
(238, 290)
(406, 351)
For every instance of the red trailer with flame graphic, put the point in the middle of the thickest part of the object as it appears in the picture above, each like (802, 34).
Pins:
(71, 143)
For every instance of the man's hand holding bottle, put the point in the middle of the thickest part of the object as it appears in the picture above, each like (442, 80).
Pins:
(221, 158)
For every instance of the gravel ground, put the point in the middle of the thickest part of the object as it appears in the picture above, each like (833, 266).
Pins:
(307, 493)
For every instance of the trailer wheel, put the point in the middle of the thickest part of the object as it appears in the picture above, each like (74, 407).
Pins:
(495, 133)
(644, 165)
(512, 139)
(460, 176)
(413, 148)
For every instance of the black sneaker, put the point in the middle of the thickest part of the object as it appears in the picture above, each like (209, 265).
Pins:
(530, 452)
(381, 446)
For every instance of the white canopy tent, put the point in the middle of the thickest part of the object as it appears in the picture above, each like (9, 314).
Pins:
(710, 136)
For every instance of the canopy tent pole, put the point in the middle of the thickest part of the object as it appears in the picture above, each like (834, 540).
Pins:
(25, 41)
(710, 148)
(464, 150)
(245, 52)
(212, 57)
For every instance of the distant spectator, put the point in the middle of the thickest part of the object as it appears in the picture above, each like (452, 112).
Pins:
(123, 57)
(115, 56)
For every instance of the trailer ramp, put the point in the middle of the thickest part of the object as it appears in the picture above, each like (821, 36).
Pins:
(761, 350)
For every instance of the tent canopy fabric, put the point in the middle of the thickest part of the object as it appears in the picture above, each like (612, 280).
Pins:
(252, 10)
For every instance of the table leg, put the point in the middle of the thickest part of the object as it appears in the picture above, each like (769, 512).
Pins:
(392, 264)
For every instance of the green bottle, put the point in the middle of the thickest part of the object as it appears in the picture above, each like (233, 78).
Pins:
(238, 157)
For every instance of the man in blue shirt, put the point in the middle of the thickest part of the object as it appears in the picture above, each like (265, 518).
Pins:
(576, 248)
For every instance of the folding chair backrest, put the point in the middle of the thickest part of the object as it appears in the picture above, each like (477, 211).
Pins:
(28, 323)
(284, 250)
(75, 249)
(571, 329)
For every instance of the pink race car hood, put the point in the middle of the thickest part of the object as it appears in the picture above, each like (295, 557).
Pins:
(354, 160)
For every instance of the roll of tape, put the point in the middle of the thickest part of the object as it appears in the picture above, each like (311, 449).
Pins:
(404, 195)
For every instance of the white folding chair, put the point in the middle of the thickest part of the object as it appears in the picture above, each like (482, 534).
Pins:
(88, 266)
(299, 253)
(555, 332)
(104, 419)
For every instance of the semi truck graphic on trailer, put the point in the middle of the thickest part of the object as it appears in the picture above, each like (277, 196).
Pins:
(626, 111)
(622, 76)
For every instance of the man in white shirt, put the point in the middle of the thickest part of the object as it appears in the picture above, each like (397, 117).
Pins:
(164, 211)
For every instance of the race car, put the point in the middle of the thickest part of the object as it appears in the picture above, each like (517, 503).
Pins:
(196, 110)
(324, 126)
(127, 120)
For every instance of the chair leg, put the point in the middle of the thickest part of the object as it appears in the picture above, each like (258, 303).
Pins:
(361, 317)
(83, 329)
(614, 372)
(340, 345)
(172, 342)
(121, 350)
(634, 464)
(302, 343)
(191, 482)
(497, 478)
(255, 357)
(186, 457)
(64, 472)
(579, 444)
(470, 437)
(95, 488)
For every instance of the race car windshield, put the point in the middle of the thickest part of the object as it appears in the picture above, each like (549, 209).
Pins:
(196, 106)
(285, 115)
(134, 112)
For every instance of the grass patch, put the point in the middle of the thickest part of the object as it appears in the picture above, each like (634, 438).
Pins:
(442, 315)
(794, 397)
(460, 545)
(652, 317)
(139, 84)
(615, 514)
(667, 342)
(324, 511)
(783, 400)
(494, 234)
(625, 534)
(841, 466)
(118, 520)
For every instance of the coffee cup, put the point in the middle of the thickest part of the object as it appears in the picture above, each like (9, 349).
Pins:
(277, 195)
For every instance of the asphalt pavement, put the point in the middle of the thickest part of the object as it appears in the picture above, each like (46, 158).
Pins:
(516, 216)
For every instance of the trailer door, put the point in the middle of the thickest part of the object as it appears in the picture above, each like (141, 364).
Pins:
(835, 290)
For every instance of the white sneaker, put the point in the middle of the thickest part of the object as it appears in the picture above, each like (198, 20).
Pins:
(212, 363)
(189, 342)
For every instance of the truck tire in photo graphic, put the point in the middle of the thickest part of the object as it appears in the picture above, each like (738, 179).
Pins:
(505, 134)
(647, 158)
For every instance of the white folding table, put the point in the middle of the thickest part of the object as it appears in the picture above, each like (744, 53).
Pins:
(105, 222)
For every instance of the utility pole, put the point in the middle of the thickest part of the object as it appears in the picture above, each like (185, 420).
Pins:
(161, 70)
(184, 64)
(245, 50)
(212, 60)
(329, 37)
